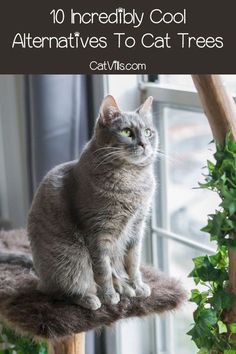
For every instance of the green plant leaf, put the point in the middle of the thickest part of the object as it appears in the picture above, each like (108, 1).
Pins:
(210, 333)
(221, 300)
(209, 317)
(195, 296)
(222, 327)
(198, 297)
(203, 351)
(19, 344)
(232, 327)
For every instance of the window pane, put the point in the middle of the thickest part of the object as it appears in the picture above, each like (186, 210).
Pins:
(185, 81)
(180, 266)
(136, 336)
(188, 148)
(181, 81)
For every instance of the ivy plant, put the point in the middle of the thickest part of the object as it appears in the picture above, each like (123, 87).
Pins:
(209, 332)
(11, 343)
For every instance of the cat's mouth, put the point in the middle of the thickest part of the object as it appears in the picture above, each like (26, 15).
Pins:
(142, 152)
(140, 156)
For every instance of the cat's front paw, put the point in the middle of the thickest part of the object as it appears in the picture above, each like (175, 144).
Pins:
(142, 289)
(89, 301)
(124, 289)
(109, 297)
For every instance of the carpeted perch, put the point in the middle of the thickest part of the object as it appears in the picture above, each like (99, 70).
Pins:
(30, 312)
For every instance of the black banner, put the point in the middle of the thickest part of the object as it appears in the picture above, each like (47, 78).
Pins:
(118, 37)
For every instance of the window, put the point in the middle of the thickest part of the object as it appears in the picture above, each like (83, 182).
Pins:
(184, 137)
(179, 208)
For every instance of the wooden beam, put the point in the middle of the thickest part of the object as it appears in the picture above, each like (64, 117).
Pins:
(220, 110)
(218, 105)
(70, 345)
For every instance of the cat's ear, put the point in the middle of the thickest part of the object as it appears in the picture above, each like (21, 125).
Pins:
(109, 110)
(145, 108)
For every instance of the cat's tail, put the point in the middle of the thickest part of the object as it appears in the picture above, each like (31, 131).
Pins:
(22, 259)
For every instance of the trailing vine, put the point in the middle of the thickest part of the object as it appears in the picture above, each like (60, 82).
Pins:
(210, 332)
(11, 343)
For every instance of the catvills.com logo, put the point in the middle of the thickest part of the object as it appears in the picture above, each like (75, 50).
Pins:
(116, 65)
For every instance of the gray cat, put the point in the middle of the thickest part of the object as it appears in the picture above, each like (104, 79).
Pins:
(87, 219)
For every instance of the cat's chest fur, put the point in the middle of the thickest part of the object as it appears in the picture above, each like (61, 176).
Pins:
(114, 199)
(124, 188)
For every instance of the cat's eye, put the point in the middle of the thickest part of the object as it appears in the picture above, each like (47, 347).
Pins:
(126, 132)
(148, 132)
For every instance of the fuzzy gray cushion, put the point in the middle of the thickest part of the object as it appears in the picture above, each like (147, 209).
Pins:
(30, 312)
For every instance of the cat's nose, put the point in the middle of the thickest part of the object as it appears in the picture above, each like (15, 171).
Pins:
(142, 144)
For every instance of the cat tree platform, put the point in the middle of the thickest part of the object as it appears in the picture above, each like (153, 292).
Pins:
(26, 310)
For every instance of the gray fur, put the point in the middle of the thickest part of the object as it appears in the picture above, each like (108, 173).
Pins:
(87, 218)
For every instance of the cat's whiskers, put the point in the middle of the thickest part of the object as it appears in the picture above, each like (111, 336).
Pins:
(102, 149)
(110, 157)
(107, 154)
(164, 156)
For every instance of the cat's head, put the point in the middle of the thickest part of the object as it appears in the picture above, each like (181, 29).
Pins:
(126, 136)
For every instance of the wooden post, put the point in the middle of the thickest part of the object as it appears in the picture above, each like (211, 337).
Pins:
(220, 110)
(70, 345)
